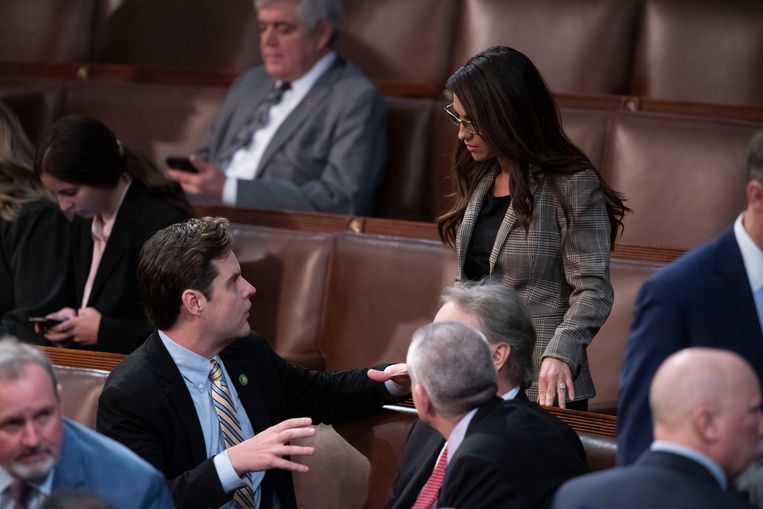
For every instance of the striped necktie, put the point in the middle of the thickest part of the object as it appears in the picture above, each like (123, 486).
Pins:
(256, 121)
(230, 428)
(19, 491)
(428, 494)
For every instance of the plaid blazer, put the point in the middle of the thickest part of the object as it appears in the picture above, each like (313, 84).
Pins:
(565, 287)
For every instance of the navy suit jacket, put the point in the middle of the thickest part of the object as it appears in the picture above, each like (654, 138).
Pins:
(702, 299)
(658, 480)
(95, 464)
(145, 404)
(514, 455)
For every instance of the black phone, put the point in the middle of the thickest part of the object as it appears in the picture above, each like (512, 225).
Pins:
(182, 164)
(44, 322)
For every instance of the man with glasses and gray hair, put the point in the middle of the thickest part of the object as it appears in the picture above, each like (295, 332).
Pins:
(303, 131)
(42, 452)
(495, 310)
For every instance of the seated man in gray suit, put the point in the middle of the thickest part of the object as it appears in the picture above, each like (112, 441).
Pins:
(41, 452)
(707, 427)
(303, 131)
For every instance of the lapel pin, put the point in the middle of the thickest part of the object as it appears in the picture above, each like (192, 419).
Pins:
(243, 379)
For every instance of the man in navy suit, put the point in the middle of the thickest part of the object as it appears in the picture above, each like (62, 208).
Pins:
(712, 297)
(708, 426)
(41, 452)
(303, 131)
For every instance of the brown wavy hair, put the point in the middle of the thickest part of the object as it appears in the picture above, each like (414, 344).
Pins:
(18, 184)
(84, 151)
(505, 96)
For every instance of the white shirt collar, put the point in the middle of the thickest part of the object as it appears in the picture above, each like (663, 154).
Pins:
(692, 454)
(458, 433)
(508, 396)
(752, 255)
(302, 85)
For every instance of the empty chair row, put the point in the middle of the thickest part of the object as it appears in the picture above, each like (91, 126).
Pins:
(688, 50)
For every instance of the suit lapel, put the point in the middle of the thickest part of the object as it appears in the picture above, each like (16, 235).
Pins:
(243, 375)
(119, 241)
(172, 384)
(426, 443)
(507, 225)
(314, 98)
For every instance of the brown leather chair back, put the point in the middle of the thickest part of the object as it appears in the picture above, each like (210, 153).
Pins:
(80, 390)
(587, 129)
(701, 50)
(683, 177)
(382, 289)
(402, 40)
(289, 269)
(582, 46)
(193, 34)
(46, 30)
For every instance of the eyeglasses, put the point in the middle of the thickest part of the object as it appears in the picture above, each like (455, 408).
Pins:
(470, 126)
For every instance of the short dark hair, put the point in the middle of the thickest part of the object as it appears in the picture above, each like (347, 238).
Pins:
(177, 258)
(755, 158)
(502, 318)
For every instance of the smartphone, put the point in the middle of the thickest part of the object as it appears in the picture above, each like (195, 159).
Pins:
(44, 322)
(182, 164)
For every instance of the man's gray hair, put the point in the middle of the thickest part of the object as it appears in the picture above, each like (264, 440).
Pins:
(503, 319)
(313, 11)
(755, 158)
(14, 355)
(452, 361)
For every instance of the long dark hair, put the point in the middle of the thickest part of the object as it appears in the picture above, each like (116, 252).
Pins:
(84, 151)
(503, 93)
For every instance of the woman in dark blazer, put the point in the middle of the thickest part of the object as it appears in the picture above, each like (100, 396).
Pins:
(532, 211)
(34, 237)
(118, 199)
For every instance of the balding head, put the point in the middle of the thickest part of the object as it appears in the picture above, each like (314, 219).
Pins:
(709, 400)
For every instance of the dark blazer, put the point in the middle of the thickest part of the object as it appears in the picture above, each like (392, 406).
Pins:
(658, 480)
(702, 299)
(327, 156)
(124, 325)
(514, 455)
(145, 404)
(565, 286)
(34, 261)
(94, 464)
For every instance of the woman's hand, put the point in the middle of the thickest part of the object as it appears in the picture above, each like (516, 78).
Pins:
(80, 328)
(555, 379)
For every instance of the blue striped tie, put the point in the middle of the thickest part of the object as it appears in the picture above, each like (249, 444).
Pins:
(243, 498)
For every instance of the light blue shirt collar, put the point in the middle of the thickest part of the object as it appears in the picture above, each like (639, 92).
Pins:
(193, 367)
(458, 433)
(694, 455)
(508, 396)
(37, 496)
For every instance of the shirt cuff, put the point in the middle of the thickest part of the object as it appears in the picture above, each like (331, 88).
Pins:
(230, 190)
(229, 479)
(394, 389)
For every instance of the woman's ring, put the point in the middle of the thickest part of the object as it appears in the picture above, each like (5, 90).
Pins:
(563, 386)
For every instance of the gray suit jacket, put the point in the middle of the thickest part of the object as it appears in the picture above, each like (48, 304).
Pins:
(566, 287)
(329, 154)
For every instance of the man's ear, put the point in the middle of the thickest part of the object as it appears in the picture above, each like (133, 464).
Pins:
(193, 301)
(422, 402)
(323, 31)
(705, 424)
(754, 190)
(500, 354)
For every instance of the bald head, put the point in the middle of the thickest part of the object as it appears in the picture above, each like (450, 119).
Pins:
(709, 400)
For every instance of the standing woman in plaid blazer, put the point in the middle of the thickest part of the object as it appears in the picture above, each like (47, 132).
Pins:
(532, 211)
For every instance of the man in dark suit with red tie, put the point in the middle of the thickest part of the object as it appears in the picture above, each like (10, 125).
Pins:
(497, 454)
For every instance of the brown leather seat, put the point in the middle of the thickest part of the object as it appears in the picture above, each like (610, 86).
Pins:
(194, 34)
(289, 270)
(401, 40)
(582, 47)
(80, 390)
(605, 354)
(701, 50)
(381, 289)
(34, 102)
(683, 177)
(46, 30)
(159, 120)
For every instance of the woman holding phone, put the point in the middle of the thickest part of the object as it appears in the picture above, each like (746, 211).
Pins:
(32, 275)
(118, 199)
(532, 211)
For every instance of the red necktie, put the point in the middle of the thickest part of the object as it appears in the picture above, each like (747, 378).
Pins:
(19, 492)
(428, 494)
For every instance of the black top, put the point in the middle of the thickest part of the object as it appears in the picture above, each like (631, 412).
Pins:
(477, 264)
